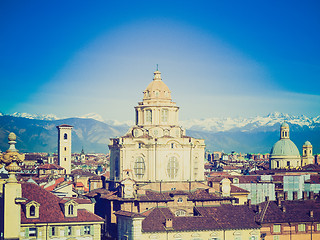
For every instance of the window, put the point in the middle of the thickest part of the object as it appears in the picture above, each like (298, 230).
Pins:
(172, 145)
(172, 167)
(32, 232)
(87, 230)
(288, 163)
(278, 164)
(69, 231)
(301, 227)
(276, 228)
(65, 148)
(70, 209)
(180, 213)
(149, 116)
(195, 167)
(65, 136)
(32, 211)
(276, 237)
(164, 115)
(139, 167)
(180, 200)
(318, 227)
(53, 231)
(116, 167)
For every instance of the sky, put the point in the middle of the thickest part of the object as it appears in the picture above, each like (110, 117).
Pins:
(219, 58)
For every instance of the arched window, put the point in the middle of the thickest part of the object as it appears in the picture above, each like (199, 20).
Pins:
(70, 209)
(32, 211)
(65, 136)
(172, 167)
(139, 167)
(180, 213)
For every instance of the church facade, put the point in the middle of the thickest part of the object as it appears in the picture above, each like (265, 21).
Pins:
(156, 148)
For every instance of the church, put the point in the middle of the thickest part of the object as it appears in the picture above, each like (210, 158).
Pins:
(156, 148)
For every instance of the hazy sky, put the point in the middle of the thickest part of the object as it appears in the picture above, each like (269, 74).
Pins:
(219, 58)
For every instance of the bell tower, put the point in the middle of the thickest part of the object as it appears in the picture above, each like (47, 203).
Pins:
(284, 131)
(64, 147)
(307, 157)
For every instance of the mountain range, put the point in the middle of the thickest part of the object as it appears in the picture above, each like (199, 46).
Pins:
(38, 133)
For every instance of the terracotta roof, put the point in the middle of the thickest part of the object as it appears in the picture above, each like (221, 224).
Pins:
(209, 218)
(203, 195)
(155, 196)
(129, 214)
(64, 125)
(289, 211)
(48, 166)
(50, 211)
(77, 200)
(235, 189)
(53, 186)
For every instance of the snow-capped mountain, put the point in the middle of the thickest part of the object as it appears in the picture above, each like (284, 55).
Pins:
(248, 124)
(243, 124)
(255, 134)
(35, 116)
(94, 116)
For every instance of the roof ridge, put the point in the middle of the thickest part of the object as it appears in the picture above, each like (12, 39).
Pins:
(264, 211)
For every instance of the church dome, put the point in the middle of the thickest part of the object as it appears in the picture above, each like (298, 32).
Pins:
(307, 143)
(284, 147)
(284, 124)
(157, 89)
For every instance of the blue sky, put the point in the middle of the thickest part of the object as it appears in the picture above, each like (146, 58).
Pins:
(219, 58)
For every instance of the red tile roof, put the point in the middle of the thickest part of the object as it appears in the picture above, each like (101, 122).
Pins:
(289, 211)
(209, 218)
(50, 211)
(48, 166)
(235, 189)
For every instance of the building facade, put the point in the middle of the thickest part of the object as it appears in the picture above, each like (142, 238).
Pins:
(156, 148)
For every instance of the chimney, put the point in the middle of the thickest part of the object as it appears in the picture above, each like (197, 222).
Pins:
(311, 195)
(311, 213)
(279, 202)
(295, 195)
(267, 198)
(249, 203)
(305, 196)
(259, 208)
(285, 196)
(168, 222)
(284, 209)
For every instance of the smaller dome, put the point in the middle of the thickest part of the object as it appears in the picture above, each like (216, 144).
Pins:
(284, 124)
(307, 143)
(284, 147)
(157, 89)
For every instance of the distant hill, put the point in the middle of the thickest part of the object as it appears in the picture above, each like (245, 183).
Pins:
(35, 135)
(246, 135)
